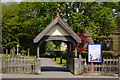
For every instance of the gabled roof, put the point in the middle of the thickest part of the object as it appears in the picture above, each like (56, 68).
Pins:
(57, 20)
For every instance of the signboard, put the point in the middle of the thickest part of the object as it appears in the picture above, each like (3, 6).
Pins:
(94, 53)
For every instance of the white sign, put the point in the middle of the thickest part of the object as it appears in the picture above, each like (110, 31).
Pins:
(94, 53)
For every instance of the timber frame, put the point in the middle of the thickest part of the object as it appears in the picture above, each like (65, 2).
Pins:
(71, 39)
(58, 30)
(57, 20)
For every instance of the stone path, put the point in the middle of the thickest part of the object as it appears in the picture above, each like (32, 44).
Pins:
(49, 65)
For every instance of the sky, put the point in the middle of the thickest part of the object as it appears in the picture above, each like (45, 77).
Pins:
(11, 0)
(58, 0)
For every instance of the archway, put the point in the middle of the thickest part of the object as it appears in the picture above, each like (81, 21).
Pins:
(55, 55)
(58, 30)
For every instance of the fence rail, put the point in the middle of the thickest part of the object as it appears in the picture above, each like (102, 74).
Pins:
(108, 66)
(20, 65)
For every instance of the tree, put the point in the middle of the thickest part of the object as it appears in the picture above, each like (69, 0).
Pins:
(50, 46)
(10, 25)
(102, 21)
(23, 21)
(85, 41)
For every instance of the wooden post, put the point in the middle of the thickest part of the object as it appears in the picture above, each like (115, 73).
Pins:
(37, 66)
(80, 64)
(68, 46)
(119, 67)
(60, 60)
(71, 47)
(75, 51)
(68, 52)
(38, 50)
(76, 66)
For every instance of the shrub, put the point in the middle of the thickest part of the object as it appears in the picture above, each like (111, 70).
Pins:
(64, 54)
(105, 54)
(23, 52)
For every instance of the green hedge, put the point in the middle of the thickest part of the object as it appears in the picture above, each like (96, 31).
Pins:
(65, 55)
(4, 55)
(105, 54)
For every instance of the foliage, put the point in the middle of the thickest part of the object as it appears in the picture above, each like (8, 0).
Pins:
(4, 55)
(23, 21)
(105, 54)
(23, 51)
(85, 41)
(10, 25)
(58, 61)
(49, 54)
(50, 46)
(109, 54)
(64, 54)
(57, 43)
(84, 54)
(102, 21)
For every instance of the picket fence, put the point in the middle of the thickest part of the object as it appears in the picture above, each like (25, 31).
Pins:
(20, 65)
(109, 66)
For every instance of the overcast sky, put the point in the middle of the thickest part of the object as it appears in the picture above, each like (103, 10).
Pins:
(58, 0)
(11, 0)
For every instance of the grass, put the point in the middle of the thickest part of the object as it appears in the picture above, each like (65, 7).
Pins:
(8, 55)
(4, 55)
(58, 61)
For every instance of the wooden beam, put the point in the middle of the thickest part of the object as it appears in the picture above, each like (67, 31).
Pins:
(75, 51)
(119, 66)
(59, 38)
(63, 25)
(38, 51)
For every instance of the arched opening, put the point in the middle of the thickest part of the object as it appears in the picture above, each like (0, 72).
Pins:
(45, 53)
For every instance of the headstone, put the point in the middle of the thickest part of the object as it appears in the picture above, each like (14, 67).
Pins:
(3, 51)
(28, 51)
(13, 51)
(119, 67)
(6, 51)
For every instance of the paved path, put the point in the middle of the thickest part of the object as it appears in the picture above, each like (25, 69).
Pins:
(48, 65)
(51, 70)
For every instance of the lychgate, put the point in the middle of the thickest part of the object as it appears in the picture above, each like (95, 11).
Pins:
(58, 30)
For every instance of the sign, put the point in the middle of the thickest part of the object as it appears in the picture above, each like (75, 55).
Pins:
(94, 53)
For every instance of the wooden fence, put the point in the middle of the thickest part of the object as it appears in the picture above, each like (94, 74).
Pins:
(20, 65)
(109, 66)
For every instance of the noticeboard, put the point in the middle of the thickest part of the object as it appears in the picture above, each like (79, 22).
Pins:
(94, 53)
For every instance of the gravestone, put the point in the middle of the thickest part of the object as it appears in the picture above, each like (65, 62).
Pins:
(28, 51)
(6, 51)
(12, 52)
